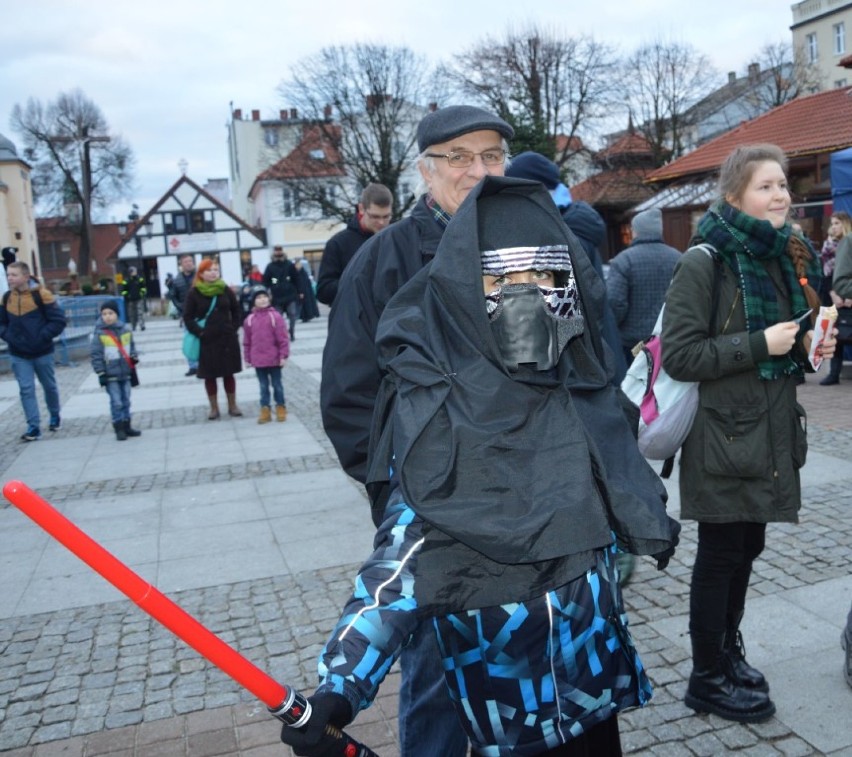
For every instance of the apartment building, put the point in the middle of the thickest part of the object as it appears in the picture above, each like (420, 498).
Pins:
(821, 29)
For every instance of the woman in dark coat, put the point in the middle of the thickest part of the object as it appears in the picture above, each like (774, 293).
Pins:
(308, 308)
(220, 347)
(740, 463)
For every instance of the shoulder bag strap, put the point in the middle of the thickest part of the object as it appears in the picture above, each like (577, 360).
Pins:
(121, 350)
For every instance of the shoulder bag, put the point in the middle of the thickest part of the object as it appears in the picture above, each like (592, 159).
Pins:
(191, 343)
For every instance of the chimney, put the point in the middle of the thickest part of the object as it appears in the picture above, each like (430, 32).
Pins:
(294, 113)
(282, 114)
(753, 71)
(433, 107)
(326, 111)
(238, 114)
(732, 77)
(255, 115)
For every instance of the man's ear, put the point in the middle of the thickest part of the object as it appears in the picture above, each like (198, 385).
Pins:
(360, 209)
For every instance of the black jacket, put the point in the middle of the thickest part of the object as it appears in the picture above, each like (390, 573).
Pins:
(280, 279)
(350, 372)
(339, 250)
(590, 230)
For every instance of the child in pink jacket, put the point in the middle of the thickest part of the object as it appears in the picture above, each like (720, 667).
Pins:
(266, 346)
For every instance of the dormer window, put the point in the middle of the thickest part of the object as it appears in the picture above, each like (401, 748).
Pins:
(317, 154)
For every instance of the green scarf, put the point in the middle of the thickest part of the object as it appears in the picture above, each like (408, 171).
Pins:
(745, 244)
(211, 288)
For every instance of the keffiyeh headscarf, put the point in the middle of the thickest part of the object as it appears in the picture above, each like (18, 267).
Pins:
(562, 301)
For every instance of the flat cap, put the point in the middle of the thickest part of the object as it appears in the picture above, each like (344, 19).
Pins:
(445, 123)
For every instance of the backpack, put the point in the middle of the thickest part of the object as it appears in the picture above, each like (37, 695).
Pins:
(667, 407)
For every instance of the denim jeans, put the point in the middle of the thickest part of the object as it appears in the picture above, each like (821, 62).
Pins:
(119, 400)
(292, 314)
(26, 370)
(428, 724)
(272, 375)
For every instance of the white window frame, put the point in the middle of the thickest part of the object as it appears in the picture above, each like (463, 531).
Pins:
(839, 35)
(812, 47)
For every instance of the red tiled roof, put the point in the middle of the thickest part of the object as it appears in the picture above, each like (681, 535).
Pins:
(300, 164)
(620, 187)
(629, 144)
(805, 126)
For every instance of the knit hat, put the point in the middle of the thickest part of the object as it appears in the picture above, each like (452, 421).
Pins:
(445, 123)
(110, 305)
(648, 224)
(257, 291)
(535, 167)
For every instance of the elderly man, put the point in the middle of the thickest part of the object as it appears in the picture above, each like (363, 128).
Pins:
(374, 213)
(458, 146)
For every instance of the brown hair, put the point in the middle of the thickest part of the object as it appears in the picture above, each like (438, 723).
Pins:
(376, 194)
(734, 176)
(740, 165)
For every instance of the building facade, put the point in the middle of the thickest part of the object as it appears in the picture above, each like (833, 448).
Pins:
(17, 215)
(821, 29)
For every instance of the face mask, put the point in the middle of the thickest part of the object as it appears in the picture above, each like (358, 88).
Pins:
(526, 332)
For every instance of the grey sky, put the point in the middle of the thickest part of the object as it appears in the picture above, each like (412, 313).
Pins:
(164, 73)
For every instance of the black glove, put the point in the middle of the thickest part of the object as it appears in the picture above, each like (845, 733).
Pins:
(663, 557)
(102, 379)
(311, 740)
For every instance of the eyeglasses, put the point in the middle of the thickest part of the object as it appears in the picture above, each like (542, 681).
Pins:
(464, 158)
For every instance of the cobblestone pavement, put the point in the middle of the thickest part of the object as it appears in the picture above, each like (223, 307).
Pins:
(107, 680)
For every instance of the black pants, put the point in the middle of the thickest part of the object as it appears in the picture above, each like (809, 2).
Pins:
(602, 740)
(721, 573)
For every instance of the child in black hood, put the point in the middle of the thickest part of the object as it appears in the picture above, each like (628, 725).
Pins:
(513, 477)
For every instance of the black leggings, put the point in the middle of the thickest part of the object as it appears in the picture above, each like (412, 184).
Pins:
(721, 573)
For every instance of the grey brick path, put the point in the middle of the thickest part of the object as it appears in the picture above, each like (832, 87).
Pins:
(102, 678)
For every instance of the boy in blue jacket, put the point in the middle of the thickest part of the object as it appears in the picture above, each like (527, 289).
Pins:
(114, 360)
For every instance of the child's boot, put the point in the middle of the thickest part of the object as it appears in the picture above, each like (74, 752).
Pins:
(232, 406)
(131, 431)
(265, 415)
(280, 413)
(120, 433)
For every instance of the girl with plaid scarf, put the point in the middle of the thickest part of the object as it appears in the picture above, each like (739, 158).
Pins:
(740, 464)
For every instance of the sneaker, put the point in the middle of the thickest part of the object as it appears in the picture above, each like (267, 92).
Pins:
(31, 435)
(55, 424)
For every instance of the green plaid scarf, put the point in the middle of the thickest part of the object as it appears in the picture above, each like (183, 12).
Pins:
(745, 243)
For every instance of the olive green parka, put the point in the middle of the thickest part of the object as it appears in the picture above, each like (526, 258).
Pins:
(741, 460)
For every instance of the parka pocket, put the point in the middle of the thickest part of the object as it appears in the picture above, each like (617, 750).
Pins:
(800, 436)
(736, 441)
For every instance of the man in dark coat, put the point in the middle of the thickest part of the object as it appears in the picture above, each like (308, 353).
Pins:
(181, 284)
(458, 146)
(638, 279)
(134, 292)
(282, 282)
(374, 213)
(586, 224)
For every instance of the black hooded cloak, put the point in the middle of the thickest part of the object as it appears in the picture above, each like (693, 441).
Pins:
(519, 476)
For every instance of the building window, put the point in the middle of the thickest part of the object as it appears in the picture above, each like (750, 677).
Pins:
(840, 83)
(839, 38)
(189, 222)
(55, 254)
(329, 193)
(292, 206)
(811, 45)
(270, 136)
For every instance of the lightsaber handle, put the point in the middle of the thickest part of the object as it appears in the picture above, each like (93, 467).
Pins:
(286, 704)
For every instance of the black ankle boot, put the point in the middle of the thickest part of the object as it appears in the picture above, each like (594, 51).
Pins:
(131, 431)
(738, 669)
(711, 690)
(120, 433)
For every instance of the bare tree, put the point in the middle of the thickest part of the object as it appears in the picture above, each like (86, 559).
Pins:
(544, 84)
(785, 74)
(363, 103)
(662, 81)
(58, 138)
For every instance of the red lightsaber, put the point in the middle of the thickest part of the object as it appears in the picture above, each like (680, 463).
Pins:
(284, 703)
